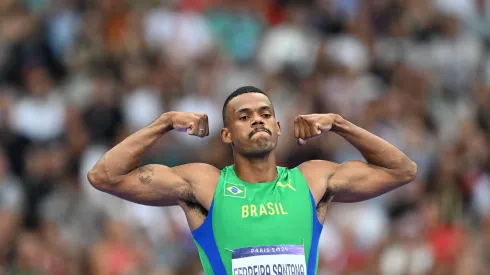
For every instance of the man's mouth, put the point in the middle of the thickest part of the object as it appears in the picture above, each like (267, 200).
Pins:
(259, 130)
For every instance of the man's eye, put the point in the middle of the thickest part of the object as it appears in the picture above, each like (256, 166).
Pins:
(267, 115)
(243, 117)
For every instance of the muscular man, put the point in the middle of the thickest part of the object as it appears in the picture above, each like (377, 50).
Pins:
(253, 217)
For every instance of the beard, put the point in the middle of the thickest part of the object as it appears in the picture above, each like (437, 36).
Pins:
(259, 143)
(260, 148)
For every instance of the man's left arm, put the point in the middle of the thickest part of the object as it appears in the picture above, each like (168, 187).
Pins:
(386, 168)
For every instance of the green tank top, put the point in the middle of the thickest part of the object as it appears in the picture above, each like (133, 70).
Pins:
(253, 224)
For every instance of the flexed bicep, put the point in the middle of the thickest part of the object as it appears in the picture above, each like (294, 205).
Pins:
(152, 184)
(351, 181)
(155, 185)
(355, 181)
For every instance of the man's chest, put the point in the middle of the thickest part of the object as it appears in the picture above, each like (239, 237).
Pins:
(268, 213)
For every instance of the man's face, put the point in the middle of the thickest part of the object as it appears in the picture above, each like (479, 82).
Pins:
(251, 127)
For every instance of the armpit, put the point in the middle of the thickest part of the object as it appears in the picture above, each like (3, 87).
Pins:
(322, 207)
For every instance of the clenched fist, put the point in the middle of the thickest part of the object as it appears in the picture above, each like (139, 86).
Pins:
(196, 124)
(310, 126)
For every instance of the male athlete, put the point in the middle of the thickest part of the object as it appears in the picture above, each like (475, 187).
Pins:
(253, 217)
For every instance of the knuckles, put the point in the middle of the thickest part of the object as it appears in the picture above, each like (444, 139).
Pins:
(201, 116)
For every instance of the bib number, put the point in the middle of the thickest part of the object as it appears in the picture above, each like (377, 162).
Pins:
(269, 260)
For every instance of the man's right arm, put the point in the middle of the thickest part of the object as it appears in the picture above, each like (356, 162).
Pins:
(117, 172)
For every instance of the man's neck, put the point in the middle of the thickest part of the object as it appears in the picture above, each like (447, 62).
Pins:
(256, 170)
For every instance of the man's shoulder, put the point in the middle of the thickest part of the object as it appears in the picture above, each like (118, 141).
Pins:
(317, 173)
(315, 167)
(201, 172)
(203, 179)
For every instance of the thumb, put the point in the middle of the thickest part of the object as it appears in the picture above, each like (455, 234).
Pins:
(324, 128)
(319, 130)
(300, 142)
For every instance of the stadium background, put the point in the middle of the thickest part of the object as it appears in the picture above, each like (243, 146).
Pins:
(78, 76)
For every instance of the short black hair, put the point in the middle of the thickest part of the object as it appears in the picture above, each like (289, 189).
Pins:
(237, 92)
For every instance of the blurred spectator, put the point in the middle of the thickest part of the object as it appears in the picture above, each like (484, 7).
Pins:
(103, 118)
(40, 115)
(76, 220)
(477, 19)
(142, 103)
(113, 255)
(182, 36)
(290, 45)
(12, 200)
(29, 257)
(44, 166)
(88, 45)
(27, 47)
(63, 27)
(408, 251)
(237, 29)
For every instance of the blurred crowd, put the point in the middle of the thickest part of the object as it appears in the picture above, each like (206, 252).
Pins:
(78, 76)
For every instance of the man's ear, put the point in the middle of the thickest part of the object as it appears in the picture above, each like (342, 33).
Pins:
(278, 128)
(226, 136)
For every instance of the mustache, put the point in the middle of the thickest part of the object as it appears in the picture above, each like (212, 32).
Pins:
(259, 130)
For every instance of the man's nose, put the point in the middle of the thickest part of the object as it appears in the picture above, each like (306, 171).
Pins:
(257, 120)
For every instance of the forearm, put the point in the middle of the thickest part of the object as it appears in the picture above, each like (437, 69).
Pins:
(374, 149)
(126, 156)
